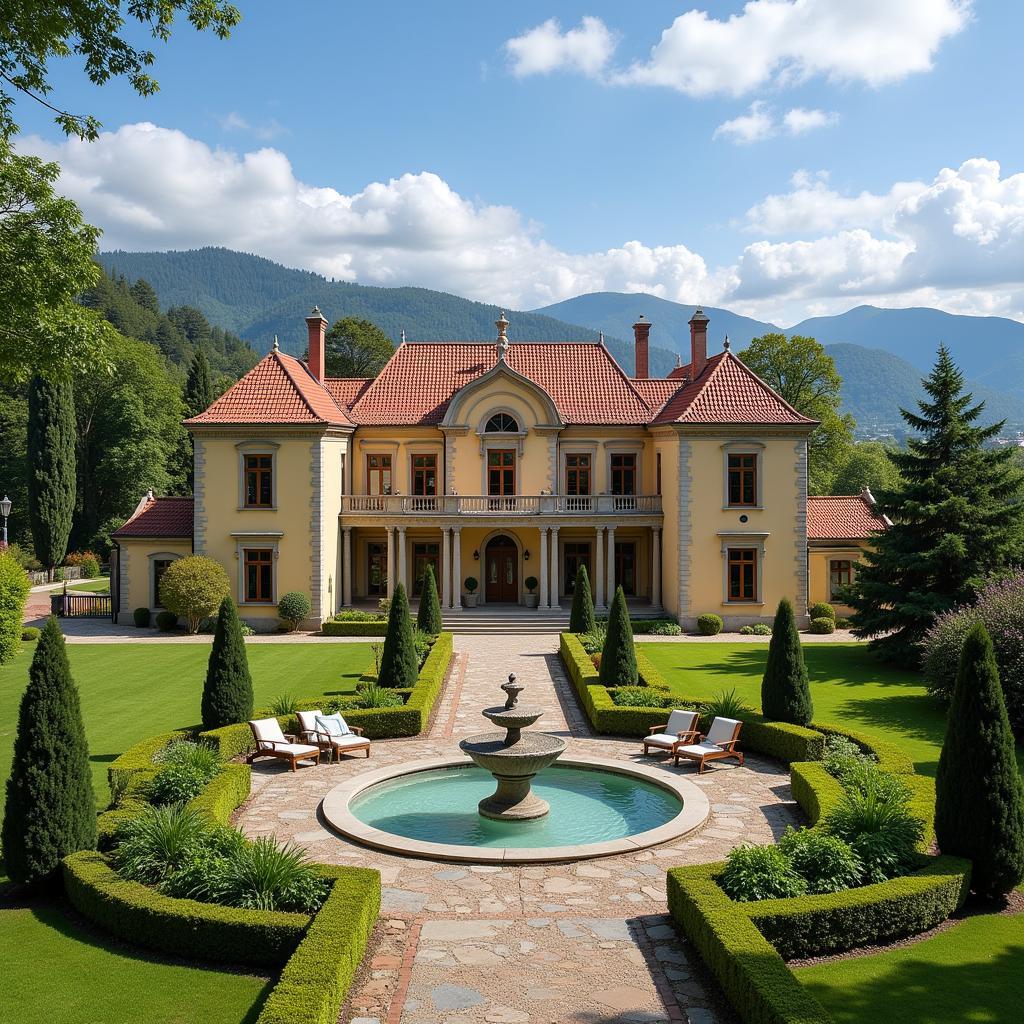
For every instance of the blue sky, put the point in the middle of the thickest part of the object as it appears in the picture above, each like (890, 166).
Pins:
(751, 156)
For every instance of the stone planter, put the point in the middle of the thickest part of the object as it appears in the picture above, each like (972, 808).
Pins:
(532, 600)
(470, 599)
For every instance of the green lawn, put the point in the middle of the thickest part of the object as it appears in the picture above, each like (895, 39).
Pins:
(58, 971)
(97, 586)
(131, 691)
(970, 973)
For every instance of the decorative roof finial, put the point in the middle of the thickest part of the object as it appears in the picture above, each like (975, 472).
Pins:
(600, 338)
(679, 361)
(403, 335)
(502, 324)
(725, 343)
(277, 345)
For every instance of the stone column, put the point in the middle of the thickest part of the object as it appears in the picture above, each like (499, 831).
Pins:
(656, 567)
(446, 570)
(403, 566)
(391, 560)
(553, 581)
(544, 601)
(610, 591)
(346, 566)
(599, 604)
(457, 568)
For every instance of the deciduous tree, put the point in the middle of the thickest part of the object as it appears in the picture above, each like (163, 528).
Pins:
(193, 588)
(356, 348)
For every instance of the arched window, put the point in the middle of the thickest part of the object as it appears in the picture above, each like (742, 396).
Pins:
(501, 423)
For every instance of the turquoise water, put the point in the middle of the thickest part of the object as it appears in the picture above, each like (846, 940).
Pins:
(587, 807)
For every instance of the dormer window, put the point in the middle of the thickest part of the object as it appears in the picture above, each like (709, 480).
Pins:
(501, 423)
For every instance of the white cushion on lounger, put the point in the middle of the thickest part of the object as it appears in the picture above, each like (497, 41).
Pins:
(351, 740)
(699, 749)
(268, 729)
(722, 730)
(681, 721)
(662, 739)
(307, 720)
(298, 749)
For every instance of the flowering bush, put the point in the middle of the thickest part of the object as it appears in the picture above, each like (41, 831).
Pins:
(1000, 606)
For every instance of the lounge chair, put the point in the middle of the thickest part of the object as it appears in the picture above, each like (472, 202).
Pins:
(720, 741)
(271, 742)
(327, 732)
(680, 728)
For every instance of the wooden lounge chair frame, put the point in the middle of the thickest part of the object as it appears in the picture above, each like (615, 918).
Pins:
(724, 748)
(270, 748)
(325, 742)
(687, 736)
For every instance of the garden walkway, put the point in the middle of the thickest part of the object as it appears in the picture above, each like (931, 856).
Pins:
(583, 943)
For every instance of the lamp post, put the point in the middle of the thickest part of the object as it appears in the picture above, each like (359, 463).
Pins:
(5, 511)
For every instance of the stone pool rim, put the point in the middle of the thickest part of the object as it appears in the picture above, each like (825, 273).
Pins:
(695, 810)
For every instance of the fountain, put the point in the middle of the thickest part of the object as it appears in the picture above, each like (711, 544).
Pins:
(513, 759)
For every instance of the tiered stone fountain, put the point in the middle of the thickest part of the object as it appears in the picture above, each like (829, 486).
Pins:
(513, 759)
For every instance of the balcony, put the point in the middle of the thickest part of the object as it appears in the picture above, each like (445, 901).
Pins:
(520, 505)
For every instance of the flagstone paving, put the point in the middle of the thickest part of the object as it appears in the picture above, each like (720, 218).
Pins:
(573, 943)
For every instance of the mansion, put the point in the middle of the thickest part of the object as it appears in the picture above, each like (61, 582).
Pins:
(505, 466)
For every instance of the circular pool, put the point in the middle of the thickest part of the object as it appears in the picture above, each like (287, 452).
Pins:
(598, 807)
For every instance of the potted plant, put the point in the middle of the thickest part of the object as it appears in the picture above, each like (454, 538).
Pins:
(471, 584)
(531, 597)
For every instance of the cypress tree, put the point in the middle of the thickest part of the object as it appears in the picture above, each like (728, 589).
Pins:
(618, 659)
(51, 809)
(399, 666)
(198, 393)
(979, 799)
(51, 467)
(955, 520)
(227, 693)
(428, 618)
(581, 618)
(785, 694)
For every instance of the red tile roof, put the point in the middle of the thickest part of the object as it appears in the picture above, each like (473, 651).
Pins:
(842, 517)
(655, 391)
(278, 389)
(159, 517)
(346, 390)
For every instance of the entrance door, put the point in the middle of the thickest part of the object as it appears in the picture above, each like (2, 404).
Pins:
(576, 554)
(422, 556)
(377, 570)
(625, 567)
(501, 566)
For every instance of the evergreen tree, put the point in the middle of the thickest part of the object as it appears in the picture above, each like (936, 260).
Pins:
(399, 665)
(51, 808)
(51, 467)
(785, 694)
(142, 292)
(581, 618)
(979, 799)
(198, 394)
(227, 694)
(428, 618)
(955, 520)
(618, 659)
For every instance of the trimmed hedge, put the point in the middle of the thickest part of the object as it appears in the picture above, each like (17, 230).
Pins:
(139, 758)
(355, 628)
(316, 980)
(817, 792)
(228, 789)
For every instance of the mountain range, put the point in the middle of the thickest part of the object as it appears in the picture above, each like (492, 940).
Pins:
(880, 353)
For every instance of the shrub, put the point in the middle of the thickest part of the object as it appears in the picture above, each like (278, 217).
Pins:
(79, 558)
(471, 584)
(399, 663)
(384, 607)
(760, 873)
(844, 760)
(357, 615)
(822, 625)
(227, 693)
(843, 623)
(422, 642)
(618, 657)
(51, 809)
(531, 583)
(824, 861)
(725, 704)
(428, 617)
(166, 621)
(292, 609)
(746, 630)
(761, 629)
(636, 697)
(822, 610)
(979, 801)
(785, 694)
(260, 875)
(186, 769)
(709, 625)
(593, 642)
(374, 696)
(284, 704)
(30, 633)
(14, 589)
(90, 568)
(666, 629)
(193, 588)
(160, 841)
(141, 617)
(581, 617)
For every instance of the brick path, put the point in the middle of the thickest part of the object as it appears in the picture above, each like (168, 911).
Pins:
(583, 943)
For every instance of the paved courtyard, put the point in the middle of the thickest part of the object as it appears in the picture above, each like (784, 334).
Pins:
(583, 943)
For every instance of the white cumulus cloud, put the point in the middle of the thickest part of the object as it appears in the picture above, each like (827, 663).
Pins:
(760, 123)
(799, 120)
(586, 48)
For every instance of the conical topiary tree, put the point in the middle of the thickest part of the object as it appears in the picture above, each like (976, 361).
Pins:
(428, 618)
(581, 618)
(227, 694)
(51, 809)
(399, 665)
(785, 694)
(618, 659)
(979, 801)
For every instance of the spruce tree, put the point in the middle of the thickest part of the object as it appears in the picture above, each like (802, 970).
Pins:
(955, 520)
(51, 467)
(399, 665)
(428, 618)
(581, 618)
(785, 694)
(227, 693)
(198, 394)
(979, 799)
(51, 808)
(618, 659)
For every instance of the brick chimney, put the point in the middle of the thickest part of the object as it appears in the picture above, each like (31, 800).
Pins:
(698, 343)
(641, 331)
(316, 325)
